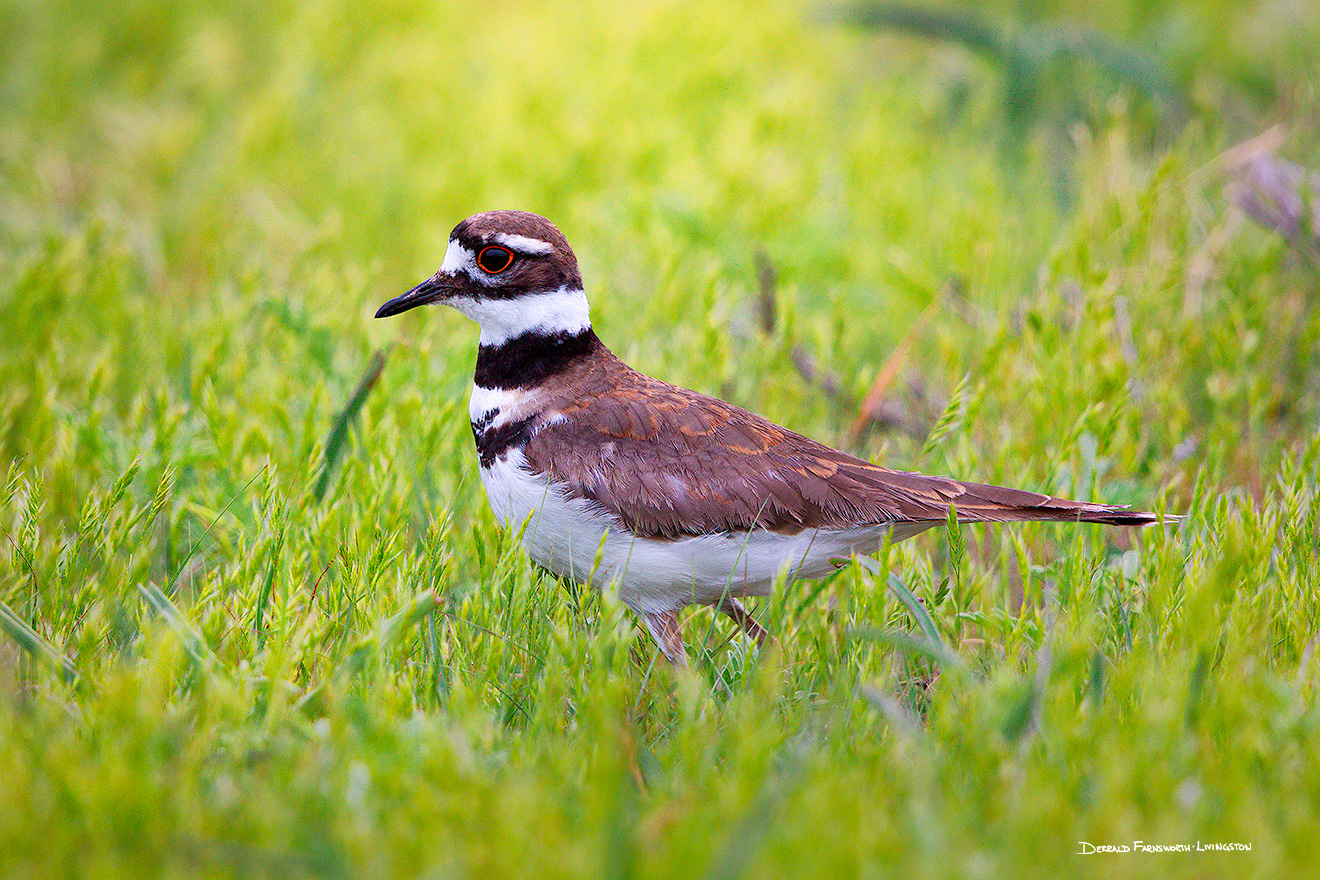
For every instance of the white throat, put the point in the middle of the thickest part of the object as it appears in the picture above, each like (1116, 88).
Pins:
(546, 312)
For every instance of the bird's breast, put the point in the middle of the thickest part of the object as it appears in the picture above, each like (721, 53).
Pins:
(502, 419)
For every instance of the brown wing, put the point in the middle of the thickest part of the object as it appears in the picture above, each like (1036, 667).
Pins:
(670, 462)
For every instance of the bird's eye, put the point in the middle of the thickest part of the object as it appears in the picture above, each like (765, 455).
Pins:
(494, 259)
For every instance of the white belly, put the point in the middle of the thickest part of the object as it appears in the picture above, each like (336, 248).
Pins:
(566, 534)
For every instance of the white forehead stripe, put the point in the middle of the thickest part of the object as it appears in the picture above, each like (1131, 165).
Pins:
(458, 259)
(524, 245)
(563, 310)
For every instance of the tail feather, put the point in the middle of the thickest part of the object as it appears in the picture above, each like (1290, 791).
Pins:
(984, 503)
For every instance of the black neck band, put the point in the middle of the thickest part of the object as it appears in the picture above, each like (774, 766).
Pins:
(528, 360)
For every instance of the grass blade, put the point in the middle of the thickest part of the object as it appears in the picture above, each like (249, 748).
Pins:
(263, 598)
(950, 420)
(961, 26)
(909, 644)
(192, 548)
(386, 634)
(910, 601)
(338, 436)
(892, 711)
(749, 832)
(193, 642)
(31, 641)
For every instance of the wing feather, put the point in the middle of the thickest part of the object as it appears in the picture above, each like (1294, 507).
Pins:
(671, 462)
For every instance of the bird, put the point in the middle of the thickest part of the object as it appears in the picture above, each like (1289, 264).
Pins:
(674, 498)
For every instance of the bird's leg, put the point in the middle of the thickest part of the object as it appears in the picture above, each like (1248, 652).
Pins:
(668, 634)
(745, 621)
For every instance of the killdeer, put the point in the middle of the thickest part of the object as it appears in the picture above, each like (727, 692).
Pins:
(687, 499)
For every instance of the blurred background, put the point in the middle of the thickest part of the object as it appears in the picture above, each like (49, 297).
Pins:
(292, 165)
(1069, 245)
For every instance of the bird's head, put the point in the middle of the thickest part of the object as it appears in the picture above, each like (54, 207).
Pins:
(512, 272)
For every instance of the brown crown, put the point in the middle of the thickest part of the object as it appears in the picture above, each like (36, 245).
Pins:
(556, 269)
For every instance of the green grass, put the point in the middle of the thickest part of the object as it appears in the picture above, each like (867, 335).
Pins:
(224, 658)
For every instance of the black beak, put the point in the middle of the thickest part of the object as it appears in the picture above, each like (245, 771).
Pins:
(428, 291)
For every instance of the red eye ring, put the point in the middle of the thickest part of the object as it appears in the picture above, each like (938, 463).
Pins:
(500, 259)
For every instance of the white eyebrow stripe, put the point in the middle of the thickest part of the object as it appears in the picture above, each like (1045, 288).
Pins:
(524, 245)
